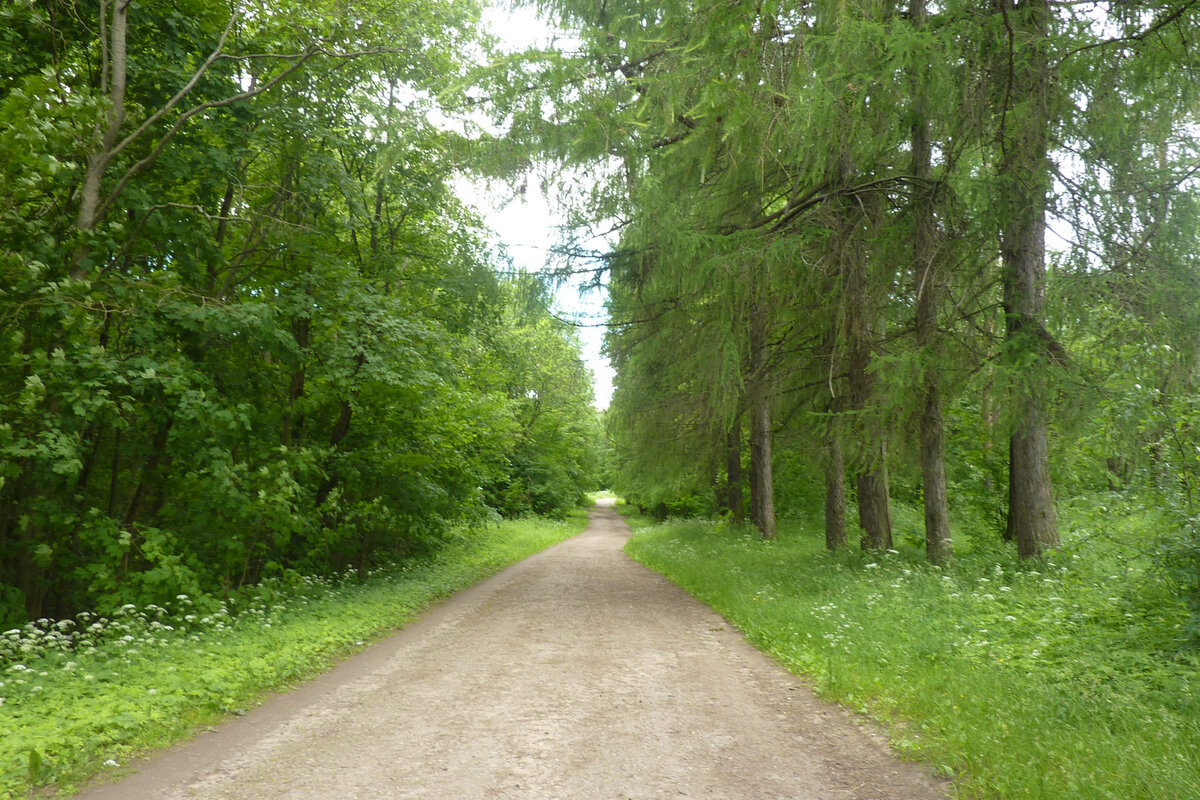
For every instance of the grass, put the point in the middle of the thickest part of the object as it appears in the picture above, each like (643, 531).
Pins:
(1071, 678)
(636, 521)
(78, 697)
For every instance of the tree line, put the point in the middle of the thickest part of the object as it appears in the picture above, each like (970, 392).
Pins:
(248, 327)
(869, 247)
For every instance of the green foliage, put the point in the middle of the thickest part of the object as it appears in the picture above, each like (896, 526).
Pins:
(763, 163)
(1068, 679)
(79, 693)
(248, 327)
(554, 433)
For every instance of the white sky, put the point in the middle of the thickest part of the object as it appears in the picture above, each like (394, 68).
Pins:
(526, 224)
(526, 227)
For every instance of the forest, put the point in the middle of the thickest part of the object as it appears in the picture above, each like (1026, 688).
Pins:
(938, 252)
(249, 328)
(904, 309)
(874, 252)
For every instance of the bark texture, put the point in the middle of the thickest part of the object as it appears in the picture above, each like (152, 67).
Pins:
(763, 489)
(874, 508)
(938, 545)
(835, 496)
(760, 453)
(733, 469)
(114, 30)
(1032, 520)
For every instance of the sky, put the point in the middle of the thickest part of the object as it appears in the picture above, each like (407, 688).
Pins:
(526, 224)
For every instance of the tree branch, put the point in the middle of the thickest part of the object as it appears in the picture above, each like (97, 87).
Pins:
(174, 101)
(187, 115)
(1160, 23)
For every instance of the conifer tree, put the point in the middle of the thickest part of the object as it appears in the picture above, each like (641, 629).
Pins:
(928, 275)
(1022, 185)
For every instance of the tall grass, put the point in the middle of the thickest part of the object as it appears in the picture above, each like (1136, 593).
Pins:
(1070, 678)
(78, 696)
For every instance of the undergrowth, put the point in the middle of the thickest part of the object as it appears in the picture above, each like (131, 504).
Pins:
(79, 696)
(1071, 678)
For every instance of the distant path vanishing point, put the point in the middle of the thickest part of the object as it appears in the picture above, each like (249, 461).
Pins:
(575, 674)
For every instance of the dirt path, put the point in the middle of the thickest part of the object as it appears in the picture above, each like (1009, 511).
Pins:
(574, 674)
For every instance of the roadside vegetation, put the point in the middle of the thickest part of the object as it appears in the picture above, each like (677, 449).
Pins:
(80, 695)
(930, 267)
(1069, 677)
(255, 330)
(914, 287)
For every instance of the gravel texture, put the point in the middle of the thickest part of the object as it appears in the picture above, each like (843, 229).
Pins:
(574, 674)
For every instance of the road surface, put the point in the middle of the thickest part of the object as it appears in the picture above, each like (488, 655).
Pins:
(576, 674)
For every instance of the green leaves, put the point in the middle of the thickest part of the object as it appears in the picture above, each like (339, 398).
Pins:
(276, 344)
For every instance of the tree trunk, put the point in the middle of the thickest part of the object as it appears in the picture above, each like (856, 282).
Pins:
(210, 268)
(874, 510)
(762, 476)
(938, 545)
(1024, 183)
(113, 82)
(340, 429)
(293, 424)
(1032, 520)
(755, 484)
(114, 475)
(90, 440)
(760, 454)
(939, 548)
(733, 468)
(835, 496)
(342, 426)
(149, 473)
(874, 507)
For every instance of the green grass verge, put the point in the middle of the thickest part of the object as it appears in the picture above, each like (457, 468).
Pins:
(1067, 679)
(633, 518)
(78, 695)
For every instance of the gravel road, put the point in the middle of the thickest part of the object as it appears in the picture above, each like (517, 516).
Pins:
(574, 674)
